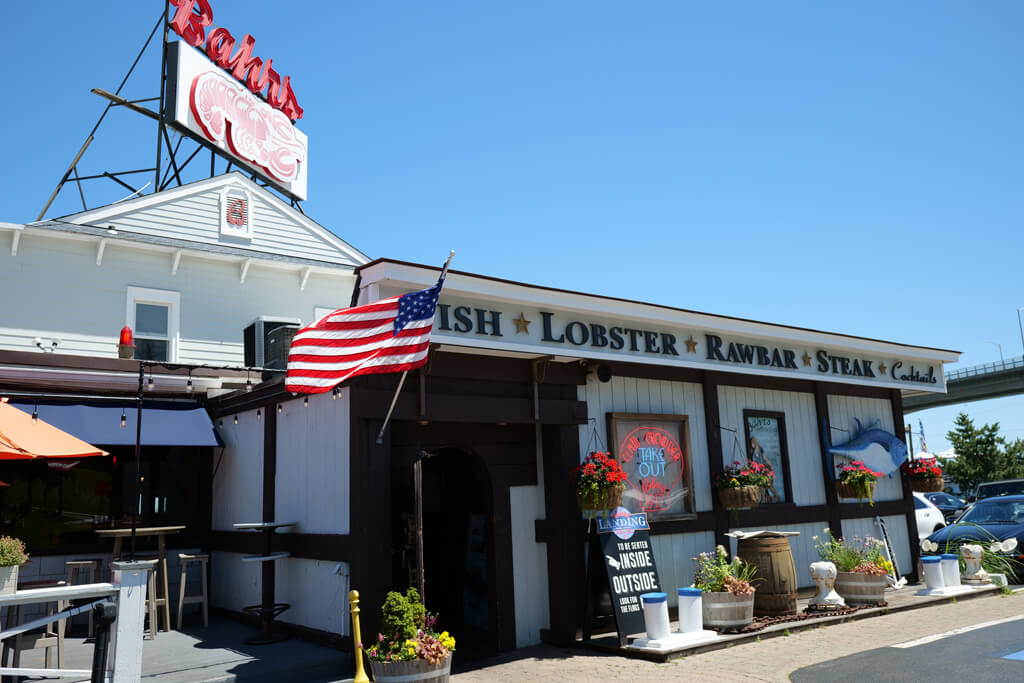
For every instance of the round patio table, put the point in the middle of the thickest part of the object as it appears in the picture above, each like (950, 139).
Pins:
(267, 610)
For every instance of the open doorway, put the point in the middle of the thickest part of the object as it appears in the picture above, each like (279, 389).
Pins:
(458, 546)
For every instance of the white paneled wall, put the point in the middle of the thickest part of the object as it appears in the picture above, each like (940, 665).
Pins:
(317, 591)
(238, 472)
(673, 556)
(631, 395)
(801, 434)
(896, 526)
(312, 480)
(878, 411)
(802, 546)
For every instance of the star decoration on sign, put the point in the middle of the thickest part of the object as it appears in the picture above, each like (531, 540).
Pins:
(522, 324)
(807, 359)
(691, 345)
(881, 368)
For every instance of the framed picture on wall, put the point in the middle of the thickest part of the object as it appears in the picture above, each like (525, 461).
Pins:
(654, 452)
(766, 444)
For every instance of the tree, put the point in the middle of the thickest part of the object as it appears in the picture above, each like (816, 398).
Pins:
(982, 455)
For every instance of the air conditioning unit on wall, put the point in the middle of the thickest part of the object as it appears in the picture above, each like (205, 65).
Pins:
(266, 341)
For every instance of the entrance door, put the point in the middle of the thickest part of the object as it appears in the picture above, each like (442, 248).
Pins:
(458, 548)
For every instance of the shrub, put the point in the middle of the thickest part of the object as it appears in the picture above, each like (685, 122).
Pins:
(12, 552)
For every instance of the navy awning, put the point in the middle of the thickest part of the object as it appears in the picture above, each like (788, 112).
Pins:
(164, 423)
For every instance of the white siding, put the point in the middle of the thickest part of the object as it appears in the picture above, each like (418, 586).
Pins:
(530, 559)
(238, 478)
(233, 583)
(801, 434)
(896, 525)
(215, 307)
(673, 556)
(317, 593)
(631, 395)
(802, 546)
(841, 412)
(312, 481)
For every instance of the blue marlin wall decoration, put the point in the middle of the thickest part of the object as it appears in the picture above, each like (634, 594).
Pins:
(878, 449)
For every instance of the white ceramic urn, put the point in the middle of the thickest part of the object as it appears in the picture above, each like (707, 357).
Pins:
(973, 572)
(824, 576)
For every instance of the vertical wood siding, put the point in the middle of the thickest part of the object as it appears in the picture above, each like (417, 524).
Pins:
(238, 481)
(631, 395)
(841, 412)
(312, 483)
(317, 594)
(896, 525)
(673, 556)
(801, 435)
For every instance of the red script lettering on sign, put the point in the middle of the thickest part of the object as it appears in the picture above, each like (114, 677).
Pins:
(190, 21)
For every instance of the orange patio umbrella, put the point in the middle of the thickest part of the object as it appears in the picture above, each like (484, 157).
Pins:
(22, 437)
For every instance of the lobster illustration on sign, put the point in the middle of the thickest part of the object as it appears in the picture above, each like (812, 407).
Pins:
(655, 496)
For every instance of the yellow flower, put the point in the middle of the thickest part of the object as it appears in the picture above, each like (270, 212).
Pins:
(412, 650)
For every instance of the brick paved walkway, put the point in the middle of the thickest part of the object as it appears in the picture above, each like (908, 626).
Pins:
(772, 659)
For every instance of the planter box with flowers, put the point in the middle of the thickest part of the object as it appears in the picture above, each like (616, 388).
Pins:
(12, 556)
(410, 649)
(861, 568)
(742, 486)
(600, 483)
(856, 480)
(924, 474)
(728, 599)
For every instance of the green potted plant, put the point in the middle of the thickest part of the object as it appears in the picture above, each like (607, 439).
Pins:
(861, 568)
(856, 480)
(728, 599)
(741, 486)
(12, 556)
(600, 482)
(410, 648)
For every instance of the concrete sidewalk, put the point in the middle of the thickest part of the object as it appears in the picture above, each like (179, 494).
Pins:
(770, 659)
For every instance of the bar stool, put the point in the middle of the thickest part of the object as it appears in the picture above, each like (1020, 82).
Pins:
(51, 637)
(185, 559)
(73, 573)
(152, 603)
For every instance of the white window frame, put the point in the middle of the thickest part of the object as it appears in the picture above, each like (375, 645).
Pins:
(159, 297)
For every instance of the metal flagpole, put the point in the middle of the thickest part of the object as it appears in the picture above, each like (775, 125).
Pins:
(401, 382)
(138, 440)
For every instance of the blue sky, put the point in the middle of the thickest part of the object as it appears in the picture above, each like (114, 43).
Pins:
(852, 167)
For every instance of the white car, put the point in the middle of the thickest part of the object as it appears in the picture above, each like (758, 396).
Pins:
(929, 517)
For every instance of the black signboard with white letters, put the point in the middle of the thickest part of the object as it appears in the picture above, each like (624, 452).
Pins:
(621, 543)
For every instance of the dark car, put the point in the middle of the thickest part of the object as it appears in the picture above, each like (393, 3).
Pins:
(1006, 487)
(992, 519)
(950, 505)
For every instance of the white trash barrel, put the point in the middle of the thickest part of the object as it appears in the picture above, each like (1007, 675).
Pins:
(655, 615)
(691, 618)
(950, 569)
(933, 572)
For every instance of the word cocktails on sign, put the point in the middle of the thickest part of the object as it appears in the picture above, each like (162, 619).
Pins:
(190, 21)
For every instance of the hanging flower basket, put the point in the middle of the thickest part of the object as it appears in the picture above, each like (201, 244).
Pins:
(927, 484)
(603, 499)
(740, 497)
(850, 490)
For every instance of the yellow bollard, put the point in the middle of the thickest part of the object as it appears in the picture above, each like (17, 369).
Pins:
(353, 598)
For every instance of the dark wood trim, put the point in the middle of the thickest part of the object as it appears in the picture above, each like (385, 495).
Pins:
(369, 403)
(736, 379)
(896, 399)
(713, 429)
(129, 365)
(705, 521)
(504, 601)
(326, 547)
(655, 372)
(787, 487)
(882, 508)
(838, 389)
(831, 498)
(564, 533)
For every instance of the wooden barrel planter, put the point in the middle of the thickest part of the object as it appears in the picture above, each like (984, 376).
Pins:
(776, 571)
(606, 499)
(861, 589)
(725, 610)
(927, 484)
(414, 670)
(740, 497)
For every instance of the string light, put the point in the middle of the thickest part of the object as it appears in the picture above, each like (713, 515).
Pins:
(35, 412)
(259, 414)
(149, 385)
(305, 402)
(248, 381)
(335, 394)
(124, 418)
(188, 384)
(236, 419)
(280, 408)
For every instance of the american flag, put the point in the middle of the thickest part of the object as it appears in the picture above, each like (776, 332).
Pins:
(390, 335)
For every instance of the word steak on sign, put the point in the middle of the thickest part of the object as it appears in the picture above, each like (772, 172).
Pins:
(224, 110)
